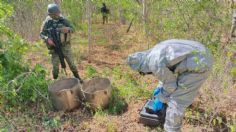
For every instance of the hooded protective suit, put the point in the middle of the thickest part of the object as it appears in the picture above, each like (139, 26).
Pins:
(181, 66)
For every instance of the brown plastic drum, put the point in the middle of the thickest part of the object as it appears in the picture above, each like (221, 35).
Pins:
(64, 94)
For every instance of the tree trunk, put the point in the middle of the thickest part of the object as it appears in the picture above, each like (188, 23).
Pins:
(145, 21)
(58, 2)
(121, 14)
(89, 16)
(144, 14)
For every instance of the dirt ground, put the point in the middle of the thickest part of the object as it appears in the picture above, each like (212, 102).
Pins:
(103, 56)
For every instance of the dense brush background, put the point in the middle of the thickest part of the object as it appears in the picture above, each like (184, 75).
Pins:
(101, 50)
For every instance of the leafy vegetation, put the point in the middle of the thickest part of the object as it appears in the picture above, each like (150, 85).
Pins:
(23, 84)
(20, 84)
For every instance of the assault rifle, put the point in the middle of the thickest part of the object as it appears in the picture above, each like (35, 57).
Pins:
(55, 33)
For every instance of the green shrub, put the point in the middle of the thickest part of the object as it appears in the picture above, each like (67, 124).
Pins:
(117, 104)
(90, 71)
(19, 84)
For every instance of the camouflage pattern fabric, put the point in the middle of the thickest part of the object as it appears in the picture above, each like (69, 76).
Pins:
(181, 66)
(66, 45)
(68, 57)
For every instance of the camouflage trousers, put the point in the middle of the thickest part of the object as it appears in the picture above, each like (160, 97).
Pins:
(105, 18)
(66, 49)
(181, 98)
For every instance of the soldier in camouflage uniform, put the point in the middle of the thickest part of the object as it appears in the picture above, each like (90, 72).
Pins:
(105, 11)
(55, 20)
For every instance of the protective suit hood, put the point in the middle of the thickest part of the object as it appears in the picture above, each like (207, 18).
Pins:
(186, 55)
(138, 61)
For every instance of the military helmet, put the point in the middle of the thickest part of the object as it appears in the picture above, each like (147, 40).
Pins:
(53, 8)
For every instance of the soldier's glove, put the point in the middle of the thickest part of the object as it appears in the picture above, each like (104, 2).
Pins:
(157, 91)
(154, 106)
(158, 105)
(50, 42)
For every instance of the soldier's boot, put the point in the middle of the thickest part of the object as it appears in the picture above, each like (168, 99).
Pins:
(55, 76)
(76, 75)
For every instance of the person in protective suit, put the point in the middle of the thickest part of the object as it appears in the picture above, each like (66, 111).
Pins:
(181, 67)
(55, 20)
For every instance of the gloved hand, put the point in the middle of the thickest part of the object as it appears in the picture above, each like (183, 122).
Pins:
(157, 91)
(157, 105)
(154, 106)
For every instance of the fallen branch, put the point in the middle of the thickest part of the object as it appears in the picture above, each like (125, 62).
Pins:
(130, 25)
(17, 77)
(41, 94)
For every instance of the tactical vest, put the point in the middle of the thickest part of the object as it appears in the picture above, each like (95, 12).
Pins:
(64, 37)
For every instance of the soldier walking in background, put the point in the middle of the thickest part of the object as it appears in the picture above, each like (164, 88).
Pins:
(105, 11)
(54, 20)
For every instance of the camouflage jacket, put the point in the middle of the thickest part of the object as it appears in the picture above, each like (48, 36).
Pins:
(51, 23)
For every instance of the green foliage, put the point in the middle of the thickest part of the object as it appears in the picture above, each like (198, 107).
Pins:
(51, 122)
(27, 87)
(201, 21)
(3, 130)
(233, 71)
(73, 9)
(117, 104)
(126, 8)
(209, 117)
(111, 127)
(128, 85)
(5, 10)
(10, 57)
(233, 128)
(18, 82)
(205, 21)
(90, 71)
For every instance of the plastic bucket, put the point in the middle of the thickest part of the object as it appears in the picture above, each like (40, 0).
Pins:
(97, 92)
(64, 94)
